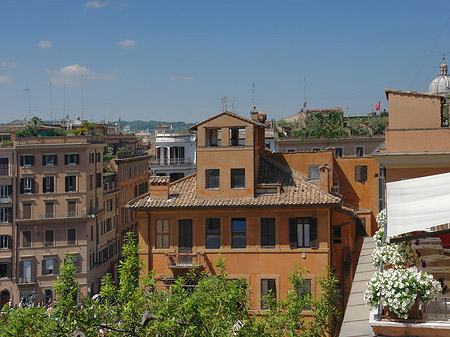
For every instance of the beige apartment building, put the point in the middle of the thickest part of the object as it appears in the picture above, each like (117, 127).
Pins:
(7, 234)
(61, 207)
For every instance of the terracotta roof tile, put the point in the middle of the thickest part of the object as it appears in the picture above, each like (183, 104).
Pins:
(296, 191)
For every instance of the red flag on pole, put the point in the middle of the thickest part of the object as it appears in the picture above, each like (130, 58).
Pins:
(377, 107)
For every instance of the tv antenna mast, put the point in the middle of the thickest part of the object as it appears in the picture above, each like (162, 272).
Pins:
(82, 97)
(51, 101)
(29, 104)
(253, 94)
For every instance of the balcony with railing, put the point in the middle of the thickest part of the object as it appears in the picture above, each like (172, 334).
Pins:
(184, 260)
(27, 280)
(68, 214)
(170, 161)
(59, 140)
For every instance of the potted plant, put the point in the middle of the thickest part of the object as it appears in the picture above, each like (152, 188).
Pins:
(400, 285)
(399, 289)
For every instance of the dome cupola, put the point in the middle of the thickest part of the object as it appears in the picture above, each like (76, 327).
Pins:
(441, 84)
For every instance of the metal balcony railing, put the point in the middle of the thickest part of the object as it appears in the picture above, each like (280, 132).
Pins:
(437, 309)
(184, 260)
(170, 161)
(7, 199)
(27, 280)
(52, 215)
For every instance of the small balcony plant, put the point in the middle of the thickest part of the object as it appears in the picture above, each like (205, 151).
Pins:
(401, 284)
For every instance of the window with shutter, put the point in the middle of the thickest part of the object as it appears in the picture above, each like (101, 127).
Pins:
(4, 164)
(212, 229)
(162, 233)
(71, 183)
(26, 210)
(238, 233)
(304, 291)
(72, 159)
(361, 173)
(48, 184)
(49, 159)
(27, 160)
(26, 239)
(268, 288)
(49, 237)
(268, 232)
(4, 269)
(71, 236)
(303, 233)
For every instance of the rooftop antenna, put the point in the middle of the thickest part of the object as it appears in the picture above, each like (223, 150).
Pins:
(51, 100)
(233, 105)
(64, 104)
(224, 103)
(29, 104)
(82, 96)
(304, 93)
(253, 94)
(112, 112)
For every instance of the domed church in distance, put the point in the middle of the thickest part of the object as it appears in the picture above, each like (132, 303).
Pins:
(441, 84)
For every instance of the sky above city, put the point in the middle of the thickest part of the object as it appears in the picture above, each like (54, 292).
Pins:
(175, 60)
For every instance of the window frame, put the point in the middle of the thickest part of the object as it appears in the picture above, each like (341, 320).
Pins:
(235, 177)
(336, 152)
(45, 270)
(212, 232)
(5, 242)
(294, 234)
(46, 162)
(357, 154)
(48, 243)
(236, 234)
(71, 183)
(27, 160)
(164, 242)
(30, 242)
(271, 285)
(48, 184)
(74, 241)
(268, 222)
(311, 170)
(50, 213)
(361, 173)
(72, 159)
(209, 177)
(305, 286)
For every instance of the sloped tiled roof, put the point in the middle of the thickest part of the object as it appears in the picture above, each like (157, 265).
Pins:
(296, 191)
(232, 114)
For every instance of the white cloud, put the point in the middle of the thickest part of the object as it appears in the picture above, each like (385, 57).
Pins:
(71, 75)
(96, 4)
(6, 79)
(126, 43)
(181, 78)
(9, 65)
(45, 44)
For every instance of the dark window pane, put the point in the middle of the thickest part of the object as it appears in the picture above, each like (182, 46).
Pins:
(212, 228)
(268, 232)
(212, 178)
(237, 178)
(238, 228)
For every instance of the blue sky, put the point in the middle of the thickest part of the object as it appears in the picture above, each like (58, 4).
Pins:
(175, 60)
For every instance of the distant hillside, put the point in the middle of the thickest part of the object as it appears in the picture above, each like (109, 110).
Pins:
(138, 126)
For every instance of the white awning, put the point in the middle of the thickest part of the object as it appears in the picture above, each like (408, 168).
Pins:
(417, 204)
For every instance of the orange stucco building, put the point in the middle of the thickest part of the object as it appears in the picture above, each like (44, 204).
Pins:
(262, 212)
(417, 140)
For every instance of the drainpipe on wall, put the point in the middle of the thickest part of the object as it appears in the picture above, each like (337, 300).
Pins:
(148, 241)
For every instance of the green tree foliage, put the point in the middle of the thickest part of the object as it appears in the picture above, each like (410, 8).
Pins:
(140, 125)
(216, 306)
(331, 124)
(26, 322)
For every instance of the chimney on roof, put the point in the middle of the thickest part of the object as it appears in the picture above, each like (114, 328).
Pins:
(254, 114)
(262, 117)
(324, 172)
(159, 188)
